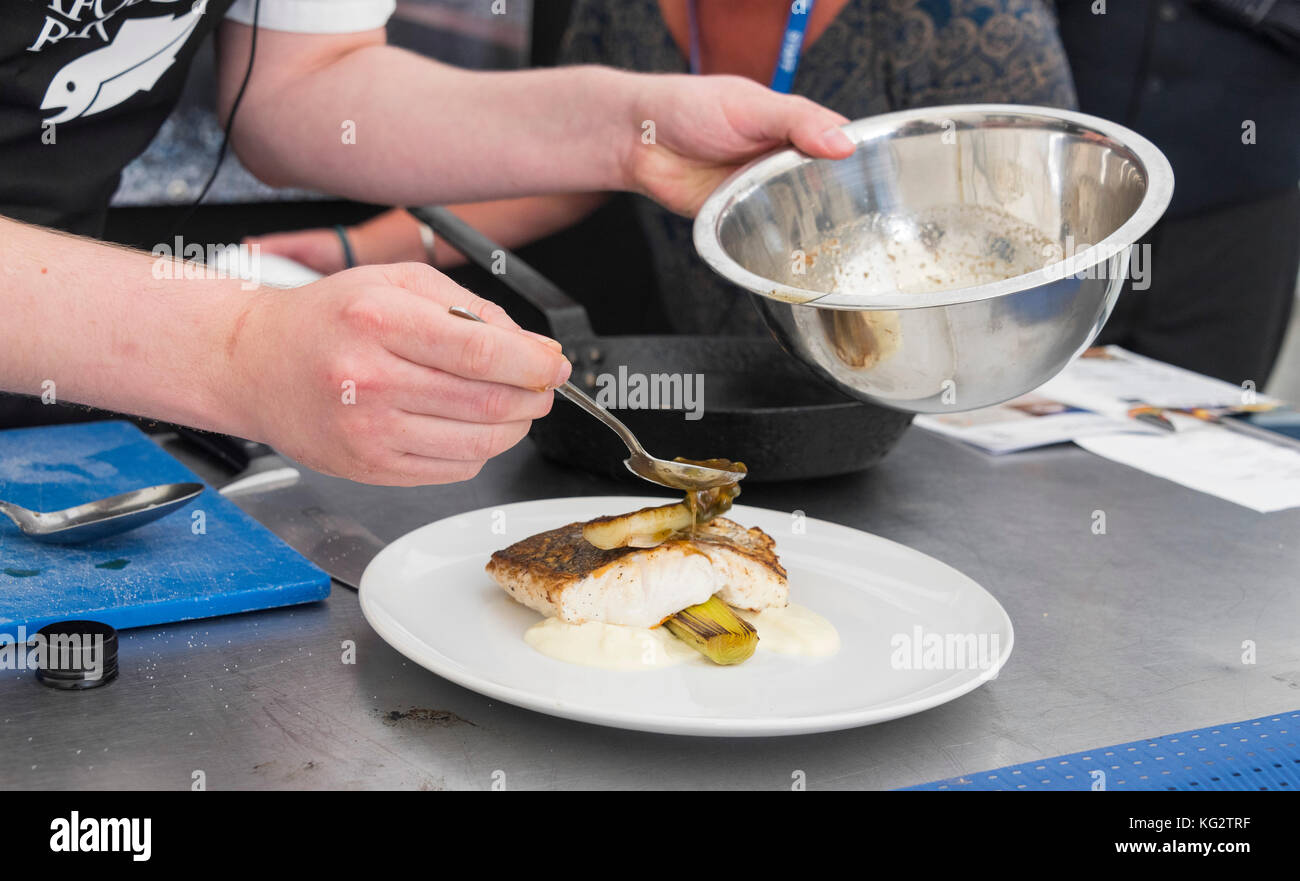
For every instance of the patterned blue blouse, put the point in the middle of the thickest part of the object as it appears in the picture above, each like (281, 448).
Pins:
(875, 57)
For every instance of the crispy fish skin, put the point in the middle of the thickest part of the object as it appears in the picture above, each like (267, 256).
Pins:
(560, 574)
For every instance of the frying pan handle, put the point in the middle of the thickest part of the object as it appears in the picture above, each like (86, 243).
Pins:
(566, 318)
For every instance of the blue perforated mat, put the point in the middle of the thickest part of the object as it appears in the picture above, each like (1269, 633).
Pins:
(1259, 753)
(209, 558)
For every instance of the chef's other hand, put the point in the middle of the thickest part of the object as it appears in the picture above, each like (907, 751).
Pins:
(365, 375)
(391, 237)
(696, 130)
(317, 249)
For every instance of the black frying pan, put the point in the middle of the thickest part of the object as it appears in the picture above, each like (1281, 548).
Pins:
(760, 406)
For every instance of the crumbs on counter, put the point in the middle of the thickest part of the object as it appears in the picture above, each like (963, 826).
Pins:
(420, 715)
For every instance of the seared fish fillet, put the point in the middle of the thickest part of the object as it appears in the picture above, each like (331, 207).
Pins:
(561, 575)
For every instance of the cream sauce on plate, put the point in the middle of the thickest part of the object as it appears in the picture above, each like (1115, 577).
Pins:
(793, 630)
(611, 646)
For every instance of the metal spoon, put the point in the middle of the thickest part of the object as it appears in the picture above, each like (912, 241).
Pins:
(104, 517)
(674, 475)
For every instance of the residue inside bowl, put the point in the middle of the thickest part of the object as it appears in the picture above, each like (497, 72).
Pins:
(938, 249)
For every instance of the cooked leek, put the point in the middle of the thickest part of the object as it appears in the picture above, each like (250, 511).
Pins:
(649, 527)
(640, 529)
(715, 631)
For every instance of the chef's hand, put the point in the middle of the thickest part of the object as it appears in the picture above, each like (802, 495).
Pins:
(391, 237)
(318, 249)
(365, 375)
(696, 130)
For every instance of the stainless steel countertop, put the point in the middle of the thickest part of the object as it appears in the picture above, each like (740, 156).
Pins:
(1120, 636)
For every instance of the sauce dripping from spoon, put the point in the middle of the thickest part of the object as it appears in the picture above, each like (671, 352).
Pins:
(705, 504)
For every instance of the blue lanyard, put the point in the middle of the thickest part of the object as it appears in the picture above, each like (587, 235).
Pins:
(787, 59)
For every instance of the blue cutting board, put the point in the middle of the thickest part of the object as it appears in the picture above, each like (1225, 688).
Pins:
(180, 567)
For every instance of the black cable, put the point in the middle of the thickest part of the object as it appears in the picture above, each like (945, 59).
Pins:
(230, 124)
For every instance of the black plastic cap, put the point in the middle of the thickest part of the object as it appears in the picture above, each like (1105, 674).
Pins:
(76, 654)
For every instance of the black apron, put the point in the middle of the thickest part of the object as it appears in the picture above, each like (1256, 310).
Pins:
(84, 86)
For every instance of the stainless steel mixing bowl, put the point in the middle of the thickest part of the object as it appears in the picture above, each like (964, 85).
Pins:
(960, 257)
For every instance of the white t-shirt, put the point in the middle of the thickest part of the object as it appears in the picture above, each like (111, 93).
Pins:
(315, 16)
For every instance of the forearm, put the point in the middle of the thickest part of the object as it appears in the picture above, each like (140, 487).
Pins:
(513, 223)
(394, 235)
(107, 328)
(380, 124)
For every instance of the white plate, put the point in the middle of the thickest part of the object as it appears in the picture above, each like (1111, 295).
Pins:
(427, 595)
